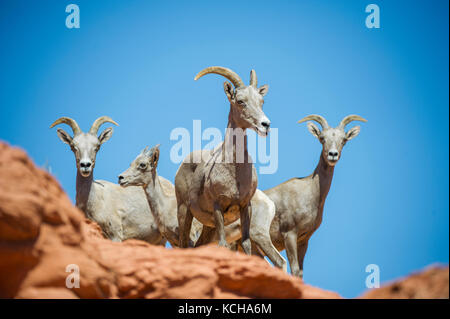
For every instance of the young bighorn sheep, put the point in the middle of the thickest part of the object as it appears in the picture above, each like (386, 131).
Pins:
(122, 213)
(161, 197)
(162, 200)
(216, 186)
(299, 202)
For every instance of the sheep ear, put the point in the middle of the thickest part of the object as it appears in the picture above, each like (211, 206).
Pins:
(352, 133)
(155, 155)
(229, 91)
(264, 89)
(315, 131)
(64, 136)
(105, 135)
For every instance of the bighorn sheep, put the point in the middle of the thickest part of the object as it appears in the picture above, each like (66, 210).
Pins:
(216, 186)
(299, 202)
(161, 197)
(122, 213)
(162, 200)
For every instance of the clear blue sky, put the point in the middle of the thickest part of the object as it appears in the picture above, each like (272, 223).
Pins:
(135, 61)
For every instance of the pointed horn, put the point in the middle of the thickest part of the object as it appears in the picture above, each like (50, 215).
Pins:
(98, 122)
(229, 74)
(253, 79)
(349, 118)
(318, 118)
(67, 120)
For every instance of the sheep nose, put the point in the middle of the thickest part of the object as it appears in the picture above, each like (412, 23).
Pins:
(333, 154)
(266, 124)
(120, 178)
(85, 164)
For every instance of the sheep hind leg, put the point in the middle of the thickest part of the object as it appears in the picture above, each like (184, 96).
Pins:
(301, 249)
(255, 250)
(220, 227)
(245, 230)
(237, 246)
(185, 222)
(290, 243)
(265, 244)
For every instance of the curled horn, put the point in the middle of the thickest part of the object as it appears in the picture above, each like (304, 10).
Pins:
(253, 79)
(98, 122)
(229, 74)
(67, 120)
(314, 117)
(349, 118)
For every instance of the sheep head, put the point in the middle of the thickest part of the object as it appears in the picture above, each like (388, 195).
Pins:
(332, 139)
(84, 145)
(142, 170)
(246, 101)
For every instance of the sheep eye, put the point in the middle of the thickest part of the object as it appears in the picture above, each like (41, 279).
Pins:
(142, 165)
(242, 103)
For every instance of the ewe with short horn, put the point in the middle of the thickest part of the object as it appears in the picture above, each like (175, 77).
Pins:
(121, 213)
(161, 198)
(303, 199)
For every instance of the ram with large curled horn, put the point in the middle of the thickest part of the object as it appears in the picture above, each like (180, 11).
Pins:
(121, 213)
(216, 186)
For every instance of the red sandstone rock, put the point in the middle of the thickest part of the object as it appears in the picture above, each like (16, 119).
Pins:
(41, 233)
